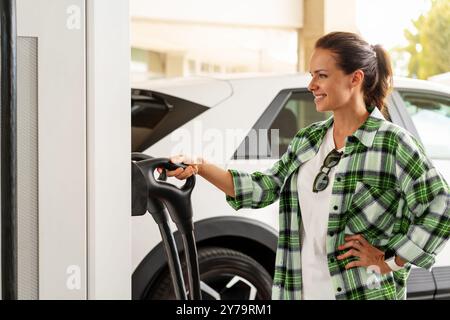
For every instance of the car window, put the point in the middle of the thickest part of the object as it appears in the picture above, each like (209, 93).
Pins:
(281, 124)
(298, 112)
(430, 114)
(289, 112)
(154, 116)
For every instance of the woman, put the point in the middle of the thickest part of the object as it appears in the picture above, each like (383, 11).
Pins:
(360, 202)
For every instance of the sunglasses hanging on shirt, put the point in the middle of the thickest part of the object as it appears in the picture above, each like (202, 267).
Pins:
(322, 179)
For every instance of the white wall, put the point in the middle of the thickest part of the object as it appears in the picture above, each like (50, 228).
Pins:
(108, 145)
(340, 15)
(244, 35)
(273, 13)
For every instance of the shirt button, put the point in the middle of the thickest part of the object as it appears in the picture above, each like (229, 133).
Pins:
(331, 233)
(338, 179)
(339, 289)
(332, 260)
(335, 207)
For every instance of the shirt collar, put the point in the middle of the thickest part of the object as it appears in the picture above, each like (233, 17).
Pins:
(367, 131)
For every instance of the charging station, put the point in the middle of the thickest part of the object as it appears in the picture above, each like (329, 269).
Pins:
(66, 219)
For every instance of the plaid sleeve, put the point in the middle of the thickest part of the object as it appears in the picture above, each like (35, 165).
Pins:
(427, 200)
(260, 189)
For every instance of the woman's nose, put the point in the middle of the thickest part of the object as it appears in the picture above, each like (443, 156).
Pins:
(312, 85)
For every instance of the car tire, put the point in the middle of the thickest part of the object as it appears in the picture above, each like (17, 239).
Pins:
(228, 273)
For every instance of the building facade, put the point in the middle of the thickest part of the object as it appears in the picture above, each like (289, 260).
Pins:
(181, 38)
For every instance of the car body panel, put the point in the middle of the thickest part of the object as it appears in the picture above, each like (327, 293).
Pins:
(213, 90)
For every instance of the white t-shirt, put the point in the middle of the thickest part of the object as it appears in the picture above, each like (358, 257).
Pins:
(314, 208)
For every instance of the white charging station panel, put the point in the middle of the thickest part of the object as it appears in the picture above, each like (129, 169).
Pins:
(51, 151)
(73, 149)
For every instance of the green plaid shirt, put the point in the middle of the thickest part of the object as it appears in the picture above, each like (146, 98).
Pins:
(385, 188)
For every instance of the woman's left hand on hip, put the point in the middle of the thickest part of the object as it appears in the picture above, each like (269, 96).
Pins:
(369, 256)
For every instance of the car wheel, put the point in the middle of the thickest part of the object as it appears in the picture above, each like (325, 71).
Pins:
(225, 275)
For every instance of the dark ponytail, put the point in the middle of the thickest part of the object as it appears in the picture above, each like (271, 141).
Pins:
(383, 82)
(353, 53)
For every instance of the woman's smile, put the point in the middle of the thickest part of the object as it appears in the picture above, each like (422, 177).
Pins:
(318, 97)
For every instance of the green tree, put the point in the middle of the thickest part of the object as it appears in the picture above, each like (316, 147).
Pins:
(429, 44)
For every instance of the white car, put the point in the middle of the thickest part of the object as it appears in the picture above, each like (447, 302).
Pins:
(237, 249)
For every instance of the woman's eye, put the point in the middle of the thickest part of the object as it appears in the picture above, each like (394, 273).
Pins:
(322, 76)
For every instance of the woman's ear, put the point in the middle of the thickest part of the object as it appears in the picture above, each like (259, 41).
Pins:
(357, 78)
